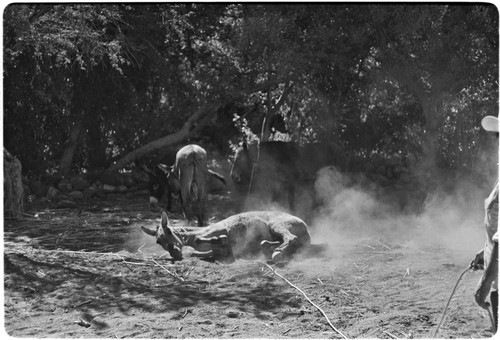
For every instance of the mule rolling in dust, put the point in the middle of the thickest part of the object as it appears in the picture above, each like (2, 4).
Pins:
(277, 235)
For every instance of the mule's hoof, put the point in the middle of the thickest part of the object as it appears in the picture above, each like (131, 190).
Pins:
(267, 249)
(278, 256)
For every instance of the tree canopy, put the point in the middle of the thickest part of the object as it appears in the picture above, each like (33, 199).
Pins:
(90, 86)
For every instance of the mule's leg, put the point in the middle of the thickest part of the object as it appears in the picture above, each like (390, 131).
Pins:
(219, 246)
(169, 201)
(291, 243)
(186, 179)
(200, 180)
(268, 248)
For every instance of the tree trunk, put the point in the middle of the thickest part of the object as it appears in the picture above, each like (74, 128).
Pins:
(13, 202)
(81, 83)
(69, 151)
(192, 127)
(272, 110)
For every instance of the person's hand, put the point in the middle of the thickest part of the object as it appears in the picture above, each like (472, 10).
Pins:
(477, 262)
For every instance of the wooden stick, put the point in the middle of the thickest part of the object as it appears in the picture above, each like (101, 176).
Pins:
(304, 294)
(82, 303)
(168, 271)
(384, 245)
(391, 335)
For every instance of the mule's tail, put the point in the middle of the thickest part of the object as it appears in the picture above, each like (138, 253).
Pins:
(193, 192)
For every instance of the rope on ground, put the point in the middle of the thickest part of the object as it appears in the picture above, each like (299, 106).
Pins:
(449, 300)
(302, 292)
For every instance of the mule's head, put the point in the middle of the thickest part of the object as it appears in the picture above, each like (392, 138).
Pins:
(157, 183)
(160, 181)
(166, 238)
(242, 166)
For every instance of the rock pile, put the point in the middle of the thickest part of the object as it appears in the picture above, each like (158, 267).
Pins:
(80, 187)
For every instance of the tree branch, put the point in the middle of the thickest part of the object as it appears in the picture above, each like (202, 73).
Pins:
(191, 127)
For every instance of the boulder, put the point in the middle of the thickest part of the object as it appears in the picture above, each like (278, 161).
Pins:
(52, 192)
(76, 195)
(37, 188)
(64, 185)
(108, 188)
(122, 188)
(26, 189)
(79, 183)
(129, 181)
(66, 204)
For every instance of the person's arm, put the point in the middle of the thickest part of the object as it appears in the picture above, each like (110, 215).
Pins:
(490, 274)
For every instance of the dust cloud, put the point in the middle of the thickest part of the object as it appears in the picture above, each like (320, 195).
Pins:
(351, 214)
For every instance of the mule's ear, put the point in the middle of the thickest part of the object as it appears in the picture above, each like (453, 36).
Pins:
(164, 168)
(164, 219)
(149, 231)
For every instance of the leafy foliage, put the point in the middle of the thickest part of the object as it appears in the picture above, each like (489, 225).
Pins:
(409, 80)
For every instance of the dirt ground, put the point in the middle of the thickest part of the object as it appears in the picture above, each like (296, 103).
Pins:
(91, 273)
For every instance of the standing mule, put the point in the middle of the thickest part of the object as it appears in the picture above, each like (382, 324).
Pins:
(188, 180)
(276, 234)
(191, 170)
(273, 170)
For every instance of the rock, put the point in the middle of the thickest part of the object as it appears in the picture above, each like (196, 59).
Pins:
(37, 188)
(100, 193)
(76, 195)
(52, 192)
(122, 188)
(64, 204)
(108, 188)
(26, 189)
(64, 185)
(129, 181)
(232, 314)
(89, 192)
(79, 183)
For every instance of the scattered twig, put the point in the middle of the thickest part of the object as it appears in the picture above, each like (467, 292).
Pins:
(135, 263)
(391, 335)
(384, 245)
(288, 330)
(320, 281)
(368, 246)
(180, 328)
(82, 303)
(140, 248)
(407, 273)
(168, 271)
(185, 313)
(308, 299)
(82, 323)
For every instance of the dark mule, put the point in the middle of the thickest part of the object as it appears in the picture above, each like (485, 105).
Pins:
(162, 183)
(276, 168)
